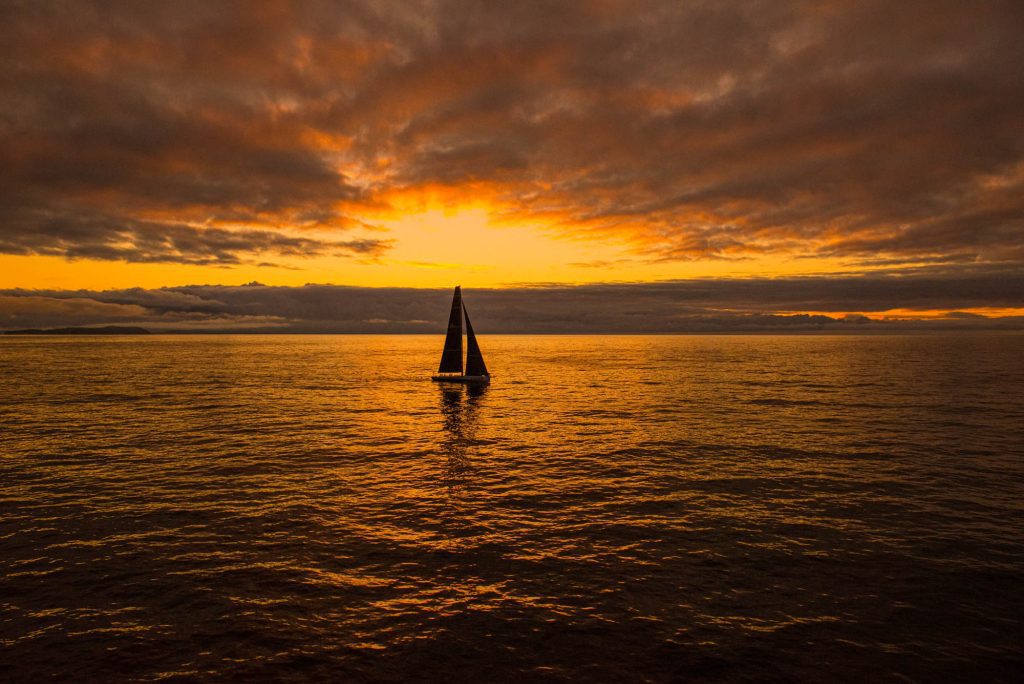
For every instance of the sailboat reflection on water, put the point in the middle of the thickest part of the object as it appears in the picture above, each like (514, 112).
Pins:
(451, 369)
(460, 405)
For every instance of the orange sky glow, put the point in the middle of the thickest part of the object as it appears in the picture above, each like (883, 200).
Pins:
(586, 143)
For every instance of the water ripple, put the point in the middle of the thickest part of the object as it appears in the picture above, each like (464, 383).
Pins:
(610, 509)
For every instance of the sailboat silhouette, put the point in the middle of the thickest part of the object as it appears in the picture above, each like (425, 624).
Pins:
(451, 369)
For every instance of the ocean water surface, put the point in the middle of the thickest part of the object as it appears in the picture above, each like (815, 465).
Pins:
(622, 508)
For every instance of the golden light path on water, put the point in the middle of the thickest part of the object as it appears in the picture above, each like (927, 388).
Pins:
(609, 508)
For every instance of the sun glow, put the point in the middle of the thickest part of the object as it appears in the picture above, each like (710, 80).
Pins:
(435, 237)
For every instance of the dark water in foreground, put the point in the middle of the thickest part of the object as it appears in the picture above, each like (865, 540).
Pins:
(611, 508)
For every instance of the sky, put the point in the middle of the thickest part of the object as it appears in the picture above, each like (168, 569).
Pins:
(719, 164)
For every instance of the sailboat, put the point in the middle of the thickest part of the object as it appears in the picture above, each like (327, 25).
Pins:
(451, 369)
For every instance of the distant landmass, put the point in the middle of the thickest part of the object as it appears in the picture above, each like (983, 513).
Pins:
(106, 330)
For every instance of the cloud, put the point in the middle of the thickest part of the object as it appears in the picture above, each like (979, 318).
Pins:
(28, 310)
(102, 237)
(861, 129)
(978, 297)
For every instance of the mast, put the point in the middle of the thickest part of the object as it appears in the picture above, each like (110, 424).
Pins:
(474, 359)
(451, 357)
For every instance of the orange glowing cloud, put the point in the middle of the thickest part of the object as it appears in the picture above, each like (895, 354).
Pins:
(667, 140)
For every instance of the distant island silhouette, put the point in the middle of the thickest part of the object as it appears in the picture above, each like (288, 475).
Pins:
(105, 330)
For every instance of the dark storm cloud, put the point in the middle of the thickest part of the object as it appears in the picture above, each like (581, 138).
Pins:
(679, 306)
(866, 129)
(105, 237)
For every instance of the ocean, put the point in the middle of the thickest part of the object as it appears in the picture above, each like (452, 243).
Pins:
(616, 508)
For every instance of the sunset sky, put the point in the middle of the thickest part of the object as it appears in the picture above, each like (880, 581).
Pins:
(724, 154)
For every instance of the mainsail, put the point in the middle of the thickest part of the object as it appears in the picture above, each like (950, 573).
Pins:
(474, 359)
(451, 357)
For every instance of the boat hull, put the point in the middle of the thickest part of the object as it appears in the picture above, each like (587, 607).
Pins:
(466, 379)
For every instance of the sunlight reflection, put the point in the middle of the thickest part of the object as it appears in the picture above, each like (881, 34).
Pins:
(459, 406)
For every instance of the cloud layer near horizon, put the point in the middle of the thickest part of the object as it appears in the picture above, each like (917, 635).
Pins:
(701, 305)
(196, 132)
